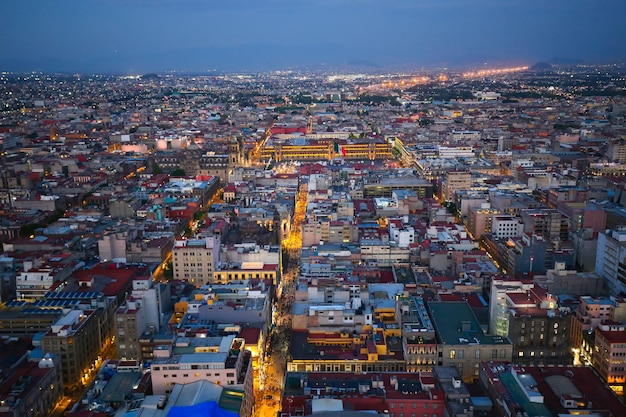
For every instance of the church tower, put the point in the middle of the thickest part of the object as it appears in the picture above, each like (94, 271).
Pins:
(234, 153)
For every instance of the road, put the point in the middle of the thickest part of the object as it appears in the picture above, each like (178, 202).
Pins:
(269, 384)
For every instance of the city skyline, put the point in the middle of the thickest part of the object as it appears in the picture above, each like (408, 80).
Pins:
(139, 36)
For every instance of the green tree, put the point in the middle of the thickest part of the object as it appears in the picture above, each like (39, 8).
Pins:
(156, 169)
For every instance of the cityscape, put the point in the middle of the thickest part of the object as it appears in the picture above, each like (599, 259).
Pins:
(443, 242)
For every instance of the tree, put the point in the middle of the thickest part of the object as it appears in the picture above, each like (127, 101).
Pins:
(156, 169)
(178, 172)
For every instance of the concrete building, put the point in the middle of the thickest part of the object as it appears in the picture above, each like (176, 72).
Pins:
(455, 181)
(112, 246)
(227, 364)
(610, 258)
(33, 388)
(76, 340)
(609, 354)
(504, 227)
(480, 221)
(420, 342)
(461, 340)
(195, 260)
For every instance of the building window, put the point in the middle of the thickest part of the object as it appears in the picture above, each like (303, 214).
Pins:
(452, 354)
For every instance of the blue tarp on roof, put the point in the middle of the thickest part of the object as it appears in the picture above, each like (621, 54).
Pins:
(205, 409)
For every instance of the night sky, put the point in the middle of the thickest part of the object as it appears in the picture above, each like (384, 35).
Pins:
(139, 36)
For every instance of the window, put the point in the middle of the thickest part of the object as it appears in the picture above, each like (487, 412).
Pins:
(452, 354)
(477, 354)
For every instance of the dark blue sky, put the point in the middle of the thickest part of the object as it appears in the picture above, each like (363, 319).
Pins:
(138, 36)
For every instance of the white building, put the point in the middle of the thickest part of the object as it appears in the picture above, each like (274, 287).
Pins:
(504, 227)
(610, 258)
(221, 365)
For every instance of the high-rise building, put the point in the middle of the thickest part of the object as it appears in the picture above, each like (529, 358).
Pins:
(75, 339)
(611, 260)
(455, 181)
(195, 260)
(609, 354)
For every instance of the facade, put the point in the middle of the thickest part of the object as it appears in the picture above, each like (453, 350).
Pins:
(609, 357)
(455, 181)
(504, 227)
(611, 260)
(130, 322)
(420, 342)
(227, 364)
(195, 260)
(238, 271)
(548, 223)
(75, 339)
(123, 208)
(616, 151)
(17, 319)
(540, 337)
(480, 221)
(112, 246)
(33, 283)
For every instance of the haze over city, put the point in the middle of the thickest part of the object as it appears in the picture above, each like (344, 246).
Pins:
(136, 36)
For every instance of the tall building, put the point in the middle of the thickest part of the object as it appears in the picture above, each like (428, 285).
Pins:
(548, 223)
(480, 220)
(195, 260)
(455, 181)
(616, 151)
(611, 260)
(504, 227)
(75, 340)
(609, 354)
(589, 315)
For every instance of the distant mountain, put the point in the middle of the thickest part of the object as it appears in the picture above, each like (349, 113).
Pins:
(541, 66)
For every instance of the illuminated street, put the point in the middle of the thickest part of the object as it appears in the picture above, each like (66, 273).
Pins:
(269, 382)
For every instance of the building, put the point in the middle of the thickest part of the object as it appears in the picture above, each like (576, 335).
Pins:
(198, 398)
(461, 342)
(226, 363)
(590, 314)
(609, 355)
(504, 227)
(195, 260)
(549, 223)
(547, 390)
(35, 279)
(226, 272)
(32, 388)
(455, 181)
(611, 258)
(420, 342)
(130, 323)
(76, 340)
(393, 394)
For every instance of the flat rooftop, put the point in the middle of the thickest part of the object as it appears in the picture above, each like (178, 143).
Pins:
(456, 324)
